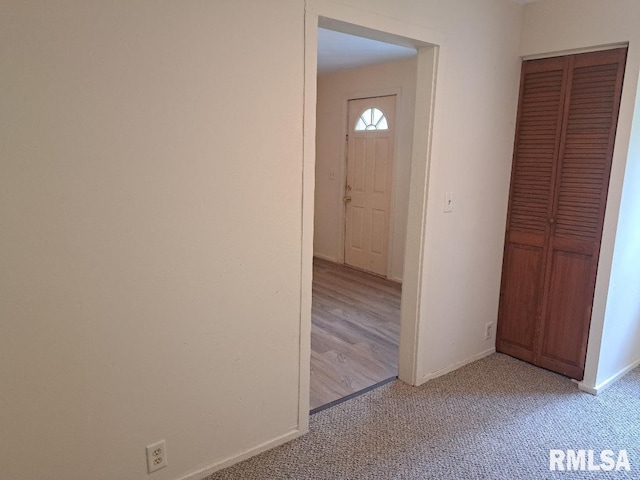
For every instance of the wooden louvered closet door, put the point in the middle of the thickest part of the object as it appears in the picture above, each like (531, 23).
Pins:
(567, 116)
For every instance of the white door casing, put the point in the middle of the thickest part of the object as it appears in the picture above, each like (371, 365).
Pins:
(411, 369)
(368, 185)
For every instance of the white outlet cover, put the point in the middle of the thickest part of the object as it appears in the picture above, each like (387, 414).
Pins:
(488, 333)
(156, 456)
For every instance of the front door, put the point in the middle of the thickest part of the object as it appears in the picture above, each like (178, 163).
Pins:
(368, 184)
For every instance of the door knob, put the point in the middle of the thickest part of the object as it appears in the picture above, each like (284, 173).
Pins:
(347, 198)
(348, 187)
(551, 221)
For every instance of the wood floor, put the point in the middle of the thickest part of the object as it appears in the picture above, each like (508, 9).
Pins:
(354, 332)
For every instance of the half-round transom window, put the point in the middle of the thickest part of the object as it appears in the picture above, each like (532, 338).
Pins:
(372, 119)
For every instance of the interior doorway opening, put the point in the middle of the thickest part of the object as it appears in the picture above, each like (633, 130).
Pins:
(426, 41)
(364, 136)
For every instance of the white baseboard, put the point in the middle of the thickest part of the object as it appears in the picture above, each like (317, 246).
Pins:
(335, 260)
(455, 366)
(206, 471)
(587, 388)
(326, 257)
(596, 389)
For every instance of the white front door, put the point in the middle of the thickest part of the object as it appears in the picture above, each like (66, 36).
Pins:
(368, 184)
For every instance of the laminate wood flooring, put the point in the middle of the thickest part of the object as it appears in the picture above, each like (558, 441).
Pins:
(355, 330)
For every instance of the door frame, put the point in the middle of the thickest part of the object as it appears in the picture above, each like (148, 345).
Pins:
(429, 73)
(342, 174)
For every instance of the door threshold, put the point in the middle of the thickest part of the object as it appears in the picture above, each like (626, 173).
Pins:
(352, 395)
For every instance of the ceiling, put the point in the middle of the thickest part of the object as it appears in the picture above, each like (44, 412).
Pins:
(341, 51)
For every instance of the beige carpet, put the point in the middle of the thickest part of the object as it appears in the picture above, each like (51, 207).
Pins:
(494, 419)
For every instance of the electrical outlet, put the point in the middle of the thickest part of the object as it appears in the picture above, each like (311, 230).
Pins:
(156, 456)
(488, 332)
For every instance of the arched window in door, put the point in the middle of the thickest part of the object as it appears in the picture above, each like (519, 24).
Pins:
(372, 119)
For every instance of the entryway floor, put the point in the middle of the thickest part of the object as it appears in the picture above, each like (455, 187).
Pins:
(355, 331)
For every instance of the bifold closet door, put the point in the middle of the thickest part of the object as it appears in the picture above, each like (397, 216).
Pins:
(563, 149)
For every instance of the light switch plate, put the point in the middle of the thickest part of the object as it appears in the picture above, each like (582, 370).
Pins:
(448, 202)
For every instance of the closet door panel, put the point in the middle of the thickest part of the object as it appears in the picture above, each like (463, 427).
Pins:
(522, 272)
(586, 150)
(536, 146)
(565, 328)
(587, 145)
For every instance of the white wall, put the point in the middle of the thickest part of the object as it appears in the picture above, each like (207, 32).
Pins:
(151, 211)
(150, 240)
(334, 90)
(476, 102)
(565, 25)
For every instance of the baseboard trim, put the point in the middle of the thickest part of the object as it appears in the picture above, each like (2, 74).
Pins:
(327, 258)
(455, 366)
(276, 442)
(587, 388)
(596, 389)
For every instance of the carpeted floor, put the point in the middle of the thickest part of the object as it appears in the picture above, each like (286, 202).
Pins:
(494, 419)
